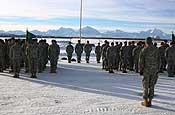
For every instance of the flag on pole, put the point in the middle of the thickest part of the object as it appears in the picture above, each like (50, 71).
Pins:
(173, 37)
(29, 36)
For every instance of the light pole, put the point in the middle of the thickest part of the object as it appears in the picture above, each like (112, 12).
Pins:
(81, 10)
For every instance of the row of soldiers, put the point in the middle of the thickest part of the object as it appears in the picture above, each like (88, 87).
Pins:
(126, 57)
(33, 55)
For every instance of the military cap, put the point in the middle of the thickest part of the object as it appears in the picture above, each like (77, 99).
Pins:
(149, 40)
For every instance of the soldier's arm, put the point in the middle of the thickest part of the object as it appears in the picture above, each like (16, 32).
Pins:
(58, 50)
(96, 49)
(49, 52)
(142, 61)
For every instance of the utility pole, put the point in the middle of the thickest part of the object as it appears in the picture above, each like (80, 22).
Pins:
(81, 15)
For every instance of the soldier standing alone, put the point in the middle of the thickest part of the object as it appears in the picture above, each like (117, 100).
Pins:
(149, 67)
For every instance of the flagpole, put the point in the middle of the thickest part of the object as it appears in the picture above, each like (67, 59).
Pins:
(81, 10)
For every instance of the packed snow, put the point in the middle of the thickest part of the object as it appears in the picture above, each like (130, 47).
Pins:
(82, 89)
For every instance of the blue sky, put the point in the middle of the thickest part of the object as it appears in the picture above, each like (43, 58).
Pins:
(128, 15)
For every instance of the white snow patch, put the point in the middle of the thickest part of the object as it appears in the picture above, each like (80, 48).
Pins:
(82, 89)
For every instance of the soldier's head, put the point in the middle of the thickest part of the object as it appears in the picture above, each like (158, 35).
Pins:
(87, 42)
(139, 43)
(116, 43)
(133, 42)
(44, 41)
(121, 43)
(165, 41)
(79, 41)
(125, 43)
(54, 41)
(1, 41)
(70, 43)
(155, 44)
(112, 44)
(130, 43)
(162, 43)
(105, 41)
(172, 43)
(12, 40)
(17, 41)
(99, 44)
(149, 41)
(34, 41)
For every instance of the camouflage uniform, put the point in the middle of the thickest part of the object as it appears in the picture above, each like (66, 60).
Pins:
(17, 56)
(98, 52)
(162, 57)
(149, 66)
(40, 57)
(32, 53)
(79, 51)
(7, 60)
(45, 53)
(104, 58)
(120, 60)
(26, 61)
(130, 56)
(136, 53)
(10, 54)
(87, 50)
(1, 55)
(117, 56)
(69, 51)
(103, 54)
(111, 54)
(54, 52)
(124, 57)
(170, 57)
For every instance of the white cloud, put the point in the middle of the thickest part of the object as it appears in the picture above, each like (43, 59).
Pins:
(135, 10)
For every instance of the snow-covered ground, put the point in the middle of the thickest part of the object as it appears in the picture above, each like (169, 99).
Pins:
(82, 89)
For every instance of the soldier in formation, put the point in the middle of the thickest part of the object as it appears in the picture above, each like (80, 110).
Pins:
(136, 53)
(54, 52)
(111, 56)
(98, 51)
(69, 51)
(17, 56)
(1, 55)
(32, 55)
(79, 51)
(124, 53)
(104, 56)
(170, 57)
(87, 50)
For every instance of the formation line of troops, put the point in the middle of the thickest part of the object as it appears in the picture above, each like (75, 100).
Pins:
(33, 56)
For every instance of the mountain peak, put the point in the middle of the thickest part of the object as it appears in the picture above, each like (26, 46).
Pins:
(89, 31)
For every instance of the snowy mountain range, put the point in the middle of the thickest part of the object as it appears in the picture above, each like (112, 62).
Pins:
(92, 32)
